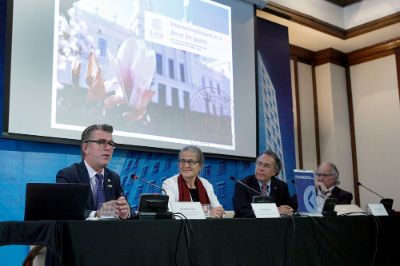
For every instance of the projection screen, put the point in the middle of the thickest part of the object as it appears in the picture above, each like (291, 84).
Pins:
(165, 74)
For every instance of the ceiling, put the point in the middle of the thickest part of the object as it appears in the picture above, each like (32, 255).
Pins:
(315, 40)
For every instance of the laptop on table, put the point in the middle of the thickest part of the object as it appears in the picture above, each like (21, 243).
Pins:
(60, 201)
(349, 209)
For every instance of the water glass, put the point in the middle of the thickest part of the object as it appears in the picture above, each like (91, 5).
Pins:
(108, 210)
(206, 210)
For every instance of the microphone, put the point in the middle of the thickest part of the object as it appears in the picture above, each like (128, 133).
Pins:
(387, 202)
(246, 186)
(259, 198)
(359, 183)
(134, 177)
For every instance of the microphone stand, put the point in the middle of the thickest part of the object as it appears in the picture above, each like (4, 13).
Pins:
(359, 183)
(133, 176)
(386, 202)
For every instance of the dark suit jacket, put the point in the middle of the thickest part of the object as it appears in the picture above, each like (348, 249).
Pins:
(243, 196)
(341, 196)
(78, 173)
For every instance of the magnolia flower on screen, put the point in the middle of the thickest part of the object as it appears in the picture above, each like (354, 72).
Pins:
(75, 73)
(94, 80)
(134, 68)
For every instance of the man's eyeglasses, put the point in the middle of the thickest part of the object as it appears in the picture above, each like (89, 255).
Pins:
(323, 175)
(103, 143)
(265, 165)
(191, 163)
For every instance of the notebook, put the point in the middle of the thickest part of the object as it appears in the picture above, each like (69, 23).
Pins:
(351, 209)
(60, 201)
(305, 191)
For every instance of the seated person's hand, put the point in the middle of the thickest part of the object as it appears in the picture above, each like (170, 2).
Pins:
(217, 212)
(321, 187)
(123, 209)
(285, 209)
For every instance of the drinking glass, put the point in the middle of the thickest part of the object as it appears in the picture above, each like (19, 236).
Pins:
(206, 210)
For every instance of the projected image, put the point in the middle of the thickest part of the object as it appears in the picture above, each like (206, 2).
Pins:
(159, 70)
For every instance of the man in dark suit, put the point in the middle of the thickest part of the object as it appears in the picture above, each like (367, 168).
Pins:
(97, 147)
(265, 182)
(326, 181)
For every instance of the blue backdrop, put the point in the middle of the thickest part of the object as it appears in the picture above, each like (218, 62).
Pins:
(25, 161)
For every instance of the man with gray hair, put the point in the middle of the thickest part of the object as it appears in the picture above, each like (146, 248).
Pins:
(326, 181)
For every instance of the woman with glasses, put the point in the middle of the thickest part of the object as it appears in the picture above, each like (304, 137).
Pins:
(188, 186)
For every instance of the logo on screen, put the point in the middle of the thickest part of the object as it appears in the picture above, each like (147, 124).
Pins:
(156, 24)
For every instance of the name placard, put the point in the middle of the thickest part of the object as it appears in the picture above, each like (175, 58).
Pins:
(265, 210)
(191, 210)
(377, 209)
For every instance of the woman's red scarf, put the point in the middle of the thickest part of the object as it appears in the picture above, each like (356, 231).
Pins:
(184, 194)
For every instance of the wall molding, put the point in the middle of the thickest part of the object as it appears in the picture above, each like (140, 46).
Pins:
(322, 26)
(334, 56)
(373, 25)
(304, 19)
(397, 54)
(373, 52)
(330, 55)
(301, 54)
(316, 120)
(353, 142)
(298, 114)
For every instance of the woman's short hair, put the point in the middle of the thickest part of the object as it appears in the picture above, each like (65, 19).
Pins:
(196, 150)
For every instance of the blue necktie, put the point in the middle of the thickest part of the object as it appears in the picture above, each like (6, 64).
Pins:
(101, 197)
